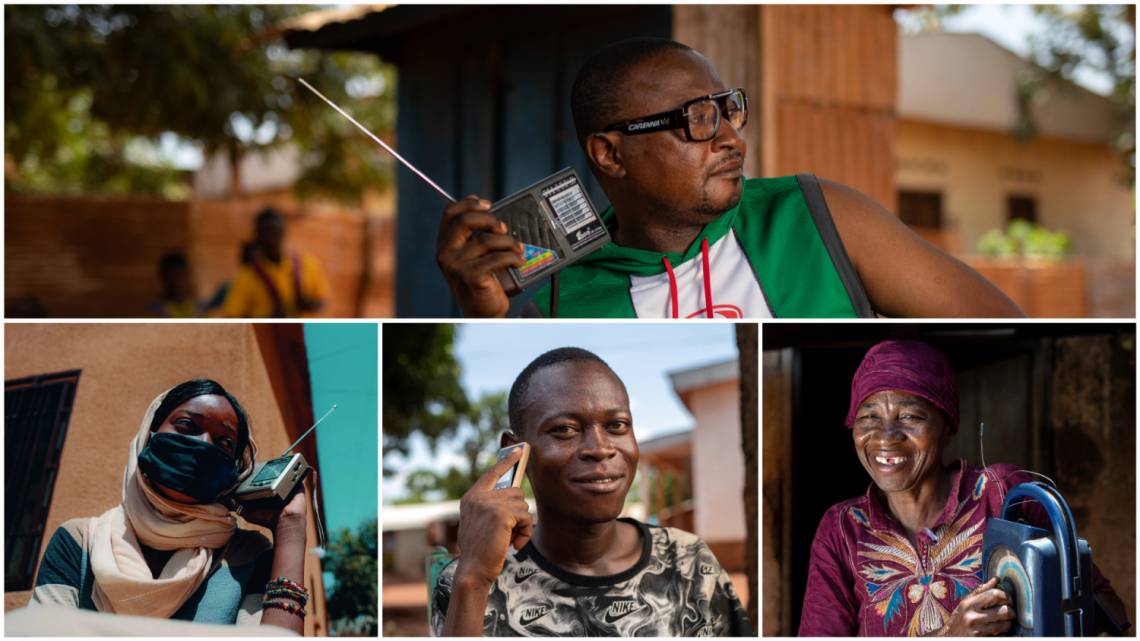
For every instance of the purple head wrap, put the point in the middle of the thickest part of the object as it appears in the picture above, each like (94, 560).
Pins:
(907, 366)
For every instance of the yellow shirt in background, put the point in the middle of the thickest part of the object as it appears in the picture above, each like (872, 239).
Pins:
(249, 296)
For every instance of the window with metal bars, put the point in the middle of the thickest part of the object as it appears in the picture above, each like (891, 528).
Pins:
(37, 410)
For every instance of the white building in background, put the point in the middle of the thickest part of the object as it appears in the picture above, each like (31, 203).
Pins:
(712, 394)
(960, 171)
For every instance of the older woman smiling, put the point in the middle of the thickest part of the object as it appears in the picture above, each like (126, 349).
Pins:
(905, 558)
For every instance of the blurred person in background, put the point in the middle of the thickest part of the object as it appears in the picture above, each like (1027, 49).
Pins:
(275, 284)
(178, 290)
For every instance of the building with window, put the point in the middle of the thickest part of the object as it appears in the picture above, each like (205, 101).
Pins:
(961, 171)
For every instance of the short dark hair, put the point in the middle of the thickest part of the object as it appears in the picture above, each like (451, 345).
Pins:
(521, 385)
(600, 83)
(183, 392)
(265, 215)
(170, 262)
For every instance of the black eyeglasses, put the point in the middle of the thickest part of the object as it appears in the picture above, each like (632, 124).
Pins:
(700, 117)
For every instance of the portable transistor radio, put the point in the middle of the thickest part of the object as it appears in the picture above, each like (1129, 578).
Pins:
(1047, 575)
(272, 482)
(553, 218)
(556, 223)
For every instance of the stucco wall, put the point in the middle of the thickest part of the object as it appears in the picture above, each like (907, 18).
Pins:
(1077, 186)
(718, 464)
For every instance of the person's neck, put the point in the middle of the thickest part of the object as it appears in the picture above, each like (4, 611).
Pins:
(578, 547)
(919, 507)
(643, 227)
(657, 239)
(155, 559)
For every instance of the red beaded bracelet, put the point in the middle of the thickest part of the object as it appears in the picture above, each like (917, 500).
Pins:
(282, 582)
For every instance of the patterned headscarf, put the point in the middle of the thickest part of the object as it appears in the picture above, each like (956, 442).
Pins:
(907, 366)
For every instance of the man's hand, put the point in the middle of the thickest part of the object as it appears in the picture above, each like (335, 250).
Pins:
(985, 612)
(472, 245)
(490, 521)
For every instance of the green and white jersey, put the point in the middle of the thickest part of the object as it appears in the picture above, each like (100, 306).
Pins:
(775, 254)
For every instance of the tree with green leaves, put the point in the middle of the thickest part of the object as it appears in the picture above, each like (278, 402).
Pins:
(483, 423)
(91, 91)
(1098, 38)
(351, 558)
(422, 393)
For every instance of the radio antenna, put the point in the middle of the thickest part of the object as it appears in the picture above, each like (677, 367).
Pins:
(377, 140)
(309, 431)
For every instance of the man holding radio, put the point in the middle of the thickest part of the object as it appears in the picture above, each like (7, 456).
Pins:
(691, 236)
(581, 570)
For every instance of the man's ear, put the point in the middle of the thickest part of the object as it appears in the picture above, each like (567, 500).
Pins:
(604, 150)
(508, 439)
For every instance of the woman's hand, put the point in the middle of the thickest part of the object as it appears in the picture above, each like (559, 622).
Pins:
(293, 512)
(984, 612)
(289, 525)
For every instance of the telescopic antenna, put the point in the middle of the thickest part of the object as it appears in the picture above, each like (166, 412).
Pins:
(378, 141)
(308, 431)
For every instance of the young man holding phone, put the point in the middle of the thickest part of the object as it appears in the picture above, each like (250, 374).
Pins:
(580, 570)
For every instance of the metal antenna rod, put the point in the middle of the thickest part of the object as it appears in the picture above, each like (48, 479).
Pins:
(308, 431)
(378, 141)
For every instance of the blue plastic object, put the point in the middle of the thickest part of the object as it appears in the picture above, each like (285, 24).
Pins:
(1049, 574)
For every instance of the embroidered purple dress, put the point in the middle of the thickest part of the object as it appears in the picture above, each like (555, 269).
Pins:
(866, 578)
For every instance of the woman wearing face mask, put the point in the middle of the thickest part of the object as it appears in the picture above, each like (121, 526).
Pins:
(171, 549)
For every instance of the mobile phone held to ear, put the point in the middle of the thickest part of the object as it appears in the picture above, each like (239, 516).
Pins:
(514, 476)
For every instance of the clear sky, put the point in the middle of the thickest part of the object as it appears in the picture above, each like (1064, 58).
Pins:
(642, 354)
(343, 359)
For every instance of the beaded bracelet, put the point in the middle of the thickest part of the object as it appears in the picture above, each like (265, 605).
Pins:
(286, 605)
(282, 582)
(287, 593)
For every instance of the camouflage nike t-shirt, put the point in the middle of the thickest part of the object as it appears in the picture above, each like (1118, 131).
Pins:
(676, 588)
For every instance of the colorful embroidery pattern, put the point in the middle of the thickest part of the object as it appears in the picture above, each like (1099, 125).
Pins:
(897, 581)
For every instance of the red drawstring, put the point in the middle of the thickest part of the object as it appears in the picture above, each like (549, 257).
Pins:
(672, 285)
(708, 281)
(708, 277)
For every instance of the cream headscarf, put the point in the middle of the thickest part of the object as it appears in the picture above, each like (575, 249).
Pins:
(123, 580)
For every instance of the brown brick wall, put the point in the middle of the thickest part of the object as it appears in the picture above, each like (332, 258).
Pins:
(85, 257)
(89, 257)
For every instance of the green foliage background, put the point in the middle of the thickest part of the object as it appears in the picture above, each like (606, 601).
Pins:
(90, 91)
(351, 558)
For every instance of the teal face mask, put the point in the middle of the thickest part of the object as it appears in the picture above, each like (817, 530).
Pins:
(188, 465)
